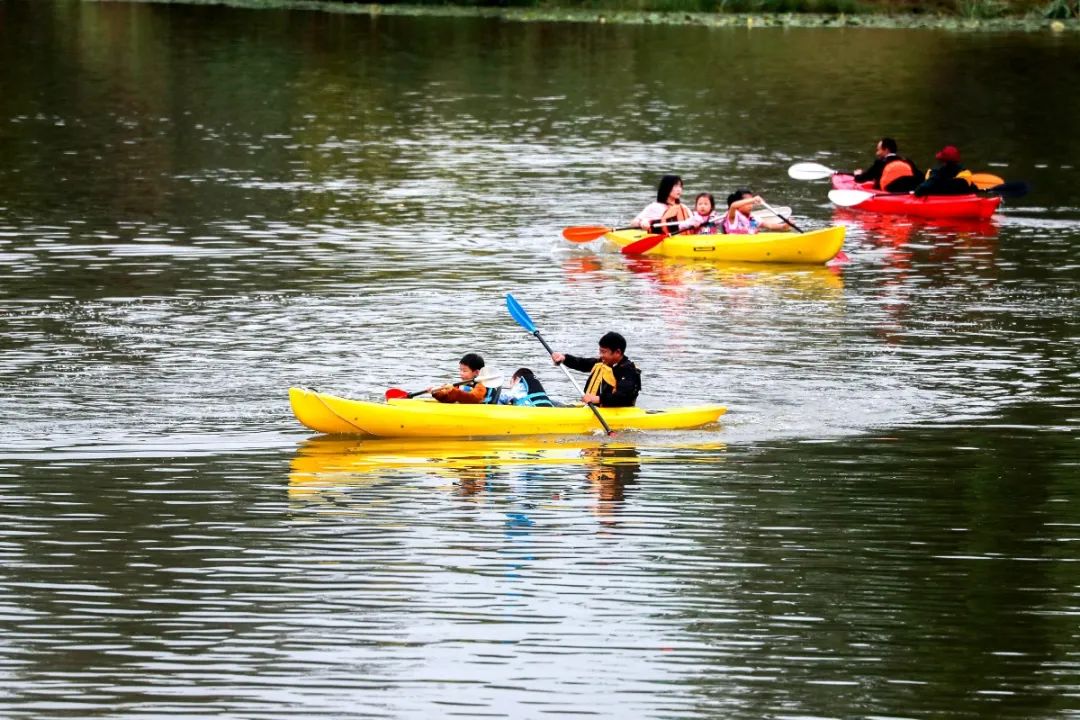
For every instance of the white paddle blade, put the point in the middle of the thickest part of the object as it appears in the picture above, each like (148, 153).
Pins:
(809, 171)
(776, 213)
(491, 378)
(849, 198)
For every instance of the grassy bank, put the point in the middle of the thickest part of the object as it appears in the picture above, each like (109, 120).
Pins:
(1031, 15)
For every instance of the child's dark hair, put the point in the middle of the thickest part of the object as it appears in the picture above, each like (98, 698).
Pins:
(666, 183)
(738, 195)
(524, 373)
(472, 361)
(712, 200)
(613, 341)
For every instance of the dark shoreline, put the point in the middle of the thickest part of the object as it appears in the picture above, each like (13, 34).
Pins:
(1026, 23)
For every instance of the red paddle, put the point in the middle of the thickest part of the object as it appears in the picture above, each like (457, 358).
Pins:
(647, 243)
(588, 233)
(397, 393)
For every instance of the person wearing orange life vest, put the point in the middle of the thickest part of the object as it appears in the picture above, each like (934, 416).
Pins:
(890, 172)
(668, 207)
(614, 380)
(470, 391)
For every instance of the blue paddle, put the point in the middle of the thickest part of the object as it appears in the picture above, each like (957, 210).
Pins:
(522, 318)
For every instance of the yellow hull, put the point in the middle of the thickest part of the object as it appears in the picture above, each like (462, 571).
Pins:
(813, 247)
(425, 418)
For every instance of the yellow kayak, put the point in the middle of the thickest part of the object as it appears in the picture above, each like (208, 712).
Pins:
(426, 418)
(812, 247)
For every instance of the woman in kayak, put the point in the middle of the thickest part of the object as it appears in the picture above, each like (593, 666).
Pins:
(738, 221)
(614, 381)
(469, 391)
(525, 389)
(667, 206)
(947, 178)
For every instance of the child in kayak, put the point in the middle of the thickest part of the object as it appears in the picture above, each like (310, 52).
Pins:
(614, 381)
(470, 391)
(667, 206)
(704, 220)
(525, 389)
(738, 221)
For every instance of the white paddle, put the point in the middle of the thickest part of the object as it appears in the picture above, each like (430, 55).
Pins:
(771, 213)
(849, 198)
(810, 171)
(776, 212)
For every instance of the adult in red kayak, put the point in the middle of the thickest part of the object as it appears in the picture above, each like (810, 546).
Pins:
(949, 178)
(667, 208)
(890, 171)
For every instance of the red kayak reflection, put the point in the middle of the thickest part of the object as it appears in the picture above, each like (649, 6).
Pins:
(898, 229)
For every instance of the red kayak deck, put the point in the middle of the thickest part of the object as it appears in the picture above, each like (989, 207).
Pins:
(972, 206)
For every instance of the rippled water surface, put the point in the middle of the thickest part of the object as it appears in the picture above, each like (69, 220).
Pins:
(200, 207)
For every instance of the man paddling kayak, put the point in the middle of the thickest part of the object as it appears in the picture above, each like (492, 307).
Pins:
(890, 172)
(614, 381)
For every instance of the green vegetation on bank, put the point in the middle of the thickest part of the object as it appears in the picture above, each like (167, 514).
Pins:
(966, 8)
(1057, 15)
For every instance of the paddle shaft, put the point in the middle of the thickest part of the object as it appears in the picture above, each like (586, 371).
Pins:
(392, 393)
(768, 207)
(573, 382)
(421, 392)
(588, 233)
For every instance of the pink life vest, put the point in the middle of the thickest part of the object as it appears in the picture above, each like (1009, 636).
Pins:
(741, 225)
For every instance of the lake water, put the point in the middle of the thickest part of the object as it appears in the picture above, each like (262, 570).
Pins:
(201, 206)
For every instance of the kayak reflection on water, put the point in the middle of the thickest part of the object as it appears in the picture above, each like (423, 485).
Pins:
(348, 474)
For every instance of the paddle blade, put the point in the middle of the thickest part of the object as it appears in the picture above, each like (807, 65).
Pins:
(518, 313)
(809, 171)
(584, 233)
(1015, 189)
(644, 245)
(489, 377)
(776, 212)
(395, 393)
(985, 181)
(771, 213)
(849, 198)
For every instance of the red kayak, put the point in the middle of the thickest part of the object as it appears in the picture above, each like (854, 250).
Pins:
(934, 206)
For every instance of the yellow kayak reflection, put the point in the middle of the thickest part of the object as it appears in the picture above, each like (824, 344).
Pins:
(673, 276)
(812, 281)
(328, 462)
